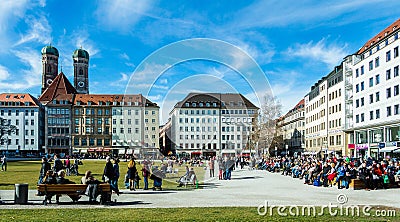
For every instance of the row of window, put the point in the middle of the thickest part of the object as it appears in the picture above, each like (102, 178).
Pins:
(396, 92)
(192, 129)
(129, 122)
(197, 137)
(91, 142)
(198, 112)
(58, 111)
(201, 146)
(371, 63)
(335, 108)
(335, 94)
(335, 123)
(376, 114)
(92, 111)
(316, 104)
(197, 120)
(201, 104)
(16, 142)
(315, 116)
(316, 128)
(10, 112)
(361, 87)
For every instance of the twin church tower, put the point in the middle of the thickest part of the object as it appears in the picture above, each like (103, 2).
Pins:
(50, 68)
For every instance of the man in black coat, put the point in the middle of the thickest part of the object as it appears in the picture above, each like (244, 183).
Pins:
(43, 170)
(108, 173)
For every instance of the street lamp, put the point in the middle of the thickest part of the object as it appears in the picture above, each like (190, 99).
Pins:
(287, 148)
(249, 142)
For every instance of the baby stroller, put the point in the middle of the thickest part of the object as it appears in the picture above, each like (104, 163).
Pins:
(74, 169)
(157, 177)
(157, 182)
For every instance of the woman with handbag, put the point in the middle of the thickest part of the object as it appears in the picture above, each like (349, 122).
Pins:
(131, 173)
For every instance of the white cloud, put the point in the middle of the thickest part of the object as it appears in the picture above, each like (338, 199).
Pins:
(277, 13)
(26, 78)
(330, 54)
(40, 31)
(163, 81)
(122, 82)
(4, 74)
(83, 40)
(121, 15)
(124, 56)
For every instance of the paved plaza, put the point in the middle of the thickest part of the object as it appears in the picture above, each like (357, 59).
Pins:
(248, 188)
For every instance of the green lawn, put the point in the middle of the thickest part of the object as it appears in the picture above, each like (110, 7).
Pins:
(167, 214)
(28, 172)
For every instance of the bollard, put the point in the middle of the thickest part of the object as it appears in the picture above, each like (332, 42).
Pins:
(21, 193)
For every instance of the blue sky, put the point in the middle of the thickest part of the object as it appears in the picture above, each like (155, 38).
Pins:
(294, 43)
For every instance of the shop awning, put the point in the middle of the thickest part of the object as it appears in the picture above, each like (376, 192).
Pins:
(106, 149)
(121, 151)
(388, 149)
(91, 150)
(228, 151)
(196, 153)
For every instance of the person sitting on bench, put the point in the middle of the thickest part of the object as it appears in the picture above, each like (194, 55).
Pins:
(62, 180)
(92, 190)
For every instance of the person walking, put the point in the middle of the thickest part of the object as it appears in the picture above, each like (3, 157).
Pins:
(145, 174)
(211, 165)
(58, 165)
(108, 173)
(67, 165)
(4, 163)
(43, 170)
(114, 180)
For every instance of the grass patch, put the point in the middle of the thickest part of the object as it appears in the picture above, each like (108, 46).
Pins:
(168, 214)
(28, 172)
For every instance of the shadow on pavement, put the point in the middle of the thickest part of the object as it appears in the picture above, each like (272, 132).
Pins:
(246, 178)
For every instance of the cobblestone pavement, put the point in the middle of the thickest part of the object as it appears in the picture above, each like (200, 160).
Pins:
(247, 188)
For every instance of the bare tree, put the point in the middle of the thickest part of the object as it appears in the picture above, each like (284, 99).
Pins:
(5, 129)
(265, 124)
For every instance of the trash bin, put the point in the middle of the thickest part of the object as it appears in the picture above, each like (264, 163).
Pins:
(21, 193)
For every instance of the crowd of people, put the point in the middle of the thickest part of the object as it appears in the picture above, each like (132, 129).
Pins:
(333, 171)
(55, 174)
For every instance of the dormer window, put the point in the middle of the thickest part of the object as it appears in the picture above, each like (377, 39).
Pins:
(208, 104)
(100, 103)
(26, 103)
(78, 103)
(89, 103)
(200, 104)
(54, 101)
(187, 104)
(194, 104)
(7, 96)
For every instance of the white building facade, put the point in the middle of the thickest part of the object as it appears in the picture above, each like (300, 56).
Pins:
(376, 96)
(212, 124)
(27, 114)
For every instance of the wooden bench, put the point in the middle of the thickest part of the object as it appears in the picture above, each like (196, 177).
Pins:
(74, 191)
